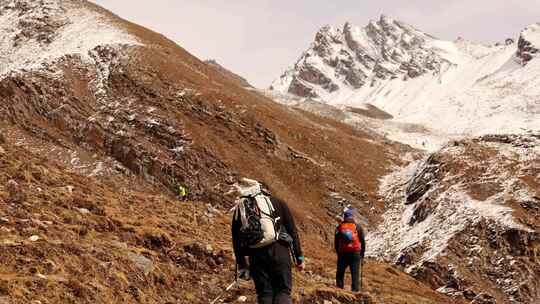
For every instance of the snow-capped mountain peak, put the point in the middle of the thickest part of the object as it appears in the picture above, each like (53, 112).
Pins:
(449, 87)
(351, 57)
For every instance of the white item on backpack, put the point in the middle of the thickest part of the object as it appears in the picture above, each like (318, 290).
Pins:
(269, 223)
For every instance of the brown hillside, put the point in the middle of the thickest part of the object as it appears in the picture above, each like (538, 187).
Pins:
(241, 81)
(67, 238)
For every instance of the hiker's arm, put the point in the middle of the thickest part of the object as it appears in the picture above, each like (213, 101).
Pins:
(336, 236)
(360, 232)
(288, 222)
(238, 250)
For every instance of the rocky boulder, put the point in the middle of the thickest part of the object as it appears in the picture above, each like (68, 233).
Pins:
(529, 43)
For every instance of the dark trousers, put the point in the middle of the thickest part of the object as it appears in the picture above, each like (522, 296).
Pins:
(346, 260)
(270, 268)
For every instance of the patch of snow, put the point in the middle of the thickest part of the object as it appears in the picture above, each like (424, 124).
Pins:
(79, 31)
(454, 210)
(152, 122)
(178, 149)
(97, 170)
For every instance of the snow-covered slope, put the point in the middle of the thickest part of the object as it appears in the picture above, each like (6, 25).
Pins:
(452, 87)
(36, 32)
(465, 218)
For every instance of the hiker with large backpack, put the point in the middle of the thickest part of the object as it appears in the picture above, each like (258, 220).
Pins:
(350, 245)
(264, 238)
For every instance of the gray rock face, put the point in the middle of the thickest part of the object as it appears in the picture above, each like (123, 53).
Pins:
(352, 57)
(143, 263)
(528, 42)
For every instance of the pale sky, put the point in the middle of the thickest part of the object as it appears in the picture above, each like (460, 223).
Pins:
(259, 39)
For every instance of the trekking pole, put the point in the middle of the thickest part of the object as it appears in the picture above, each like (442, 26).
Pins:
(228, 287)
(224, 292)
(291, 252)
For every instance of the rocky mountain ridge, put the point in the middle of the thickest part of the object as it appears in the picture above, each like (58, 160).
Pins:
(529, 43)
(449, 88)
(353, 57)
(36, 33)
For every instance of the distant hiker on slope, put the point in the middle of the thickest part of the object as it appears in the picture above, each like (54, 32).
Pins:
(182, 193)
(350, 245)
(263, 229)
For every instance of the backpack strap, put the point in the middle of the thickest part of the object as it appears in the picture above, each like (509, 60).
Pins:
(240, 211)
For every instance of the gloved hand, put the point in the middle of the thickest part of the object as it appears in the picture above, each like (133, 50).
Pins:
(243, 274)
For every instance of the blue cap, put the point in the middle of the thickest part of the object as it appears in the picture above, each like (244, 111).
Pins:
(348, 213)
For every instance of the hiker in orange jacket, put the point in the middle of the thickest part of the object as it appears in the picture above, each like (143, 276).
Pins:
(350, 245)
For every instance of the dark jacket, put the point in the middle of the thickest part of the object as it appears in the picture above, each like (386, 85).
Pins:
(287, 224)
(360, 235)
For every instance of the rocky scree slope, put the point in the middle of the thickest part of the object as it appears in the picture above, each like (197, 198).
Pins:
(450, 88)
(120, 117)
(465, 220)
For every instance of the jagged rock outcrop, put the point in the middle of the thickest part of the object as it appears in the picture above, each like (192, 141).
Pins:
(529, 43)
(352, 57)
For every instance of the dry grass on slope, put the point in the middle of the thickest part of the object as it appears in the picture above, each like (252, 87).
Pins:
(72, 239)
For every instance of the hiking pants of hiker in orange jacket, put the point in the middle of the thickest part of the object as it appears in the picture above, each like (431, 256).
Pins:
(349, 260)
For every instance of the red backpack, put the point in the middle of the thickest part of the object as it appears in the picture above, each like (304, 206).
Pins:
(348, 239)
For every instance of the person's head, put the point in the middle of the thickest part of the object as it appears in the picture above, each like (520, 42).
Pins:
(348, 214)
